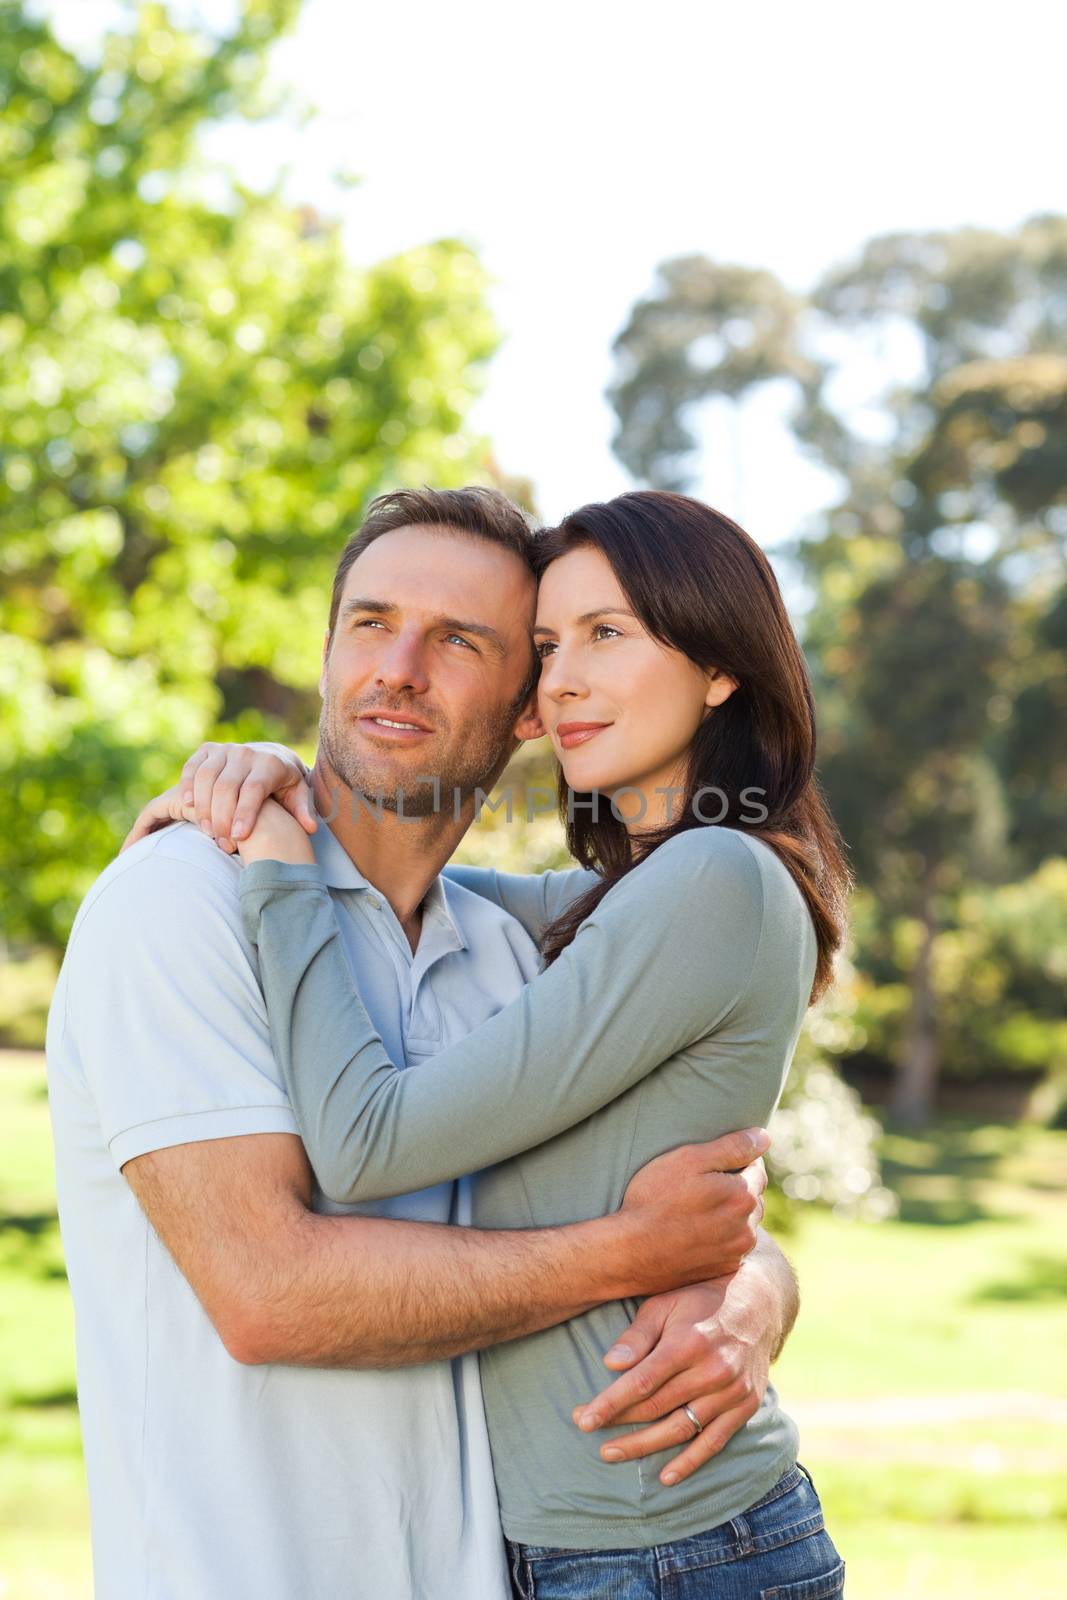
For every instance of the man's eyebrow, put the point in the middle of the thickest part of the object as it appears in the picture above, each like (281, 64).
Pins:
(362, 603)
(480, 630)
(591, 616)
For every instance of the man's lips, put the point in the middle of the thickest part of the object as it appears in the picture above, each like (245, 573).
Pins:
(394, 726)
(572, 733)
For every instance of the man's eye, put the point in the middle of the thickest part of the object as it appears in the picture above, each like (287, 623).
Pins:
(458, 638)
(369, 622)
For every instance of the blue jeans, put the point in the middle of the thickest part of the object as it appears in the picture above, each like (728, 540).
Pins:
(779, 1550)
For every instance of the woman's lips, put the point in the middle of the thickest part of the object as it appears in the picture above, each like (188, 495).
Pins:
(571, 733)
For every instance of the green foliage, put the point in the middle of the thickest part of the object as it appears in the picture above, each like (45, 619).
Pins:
(199, 393)
(998, 971)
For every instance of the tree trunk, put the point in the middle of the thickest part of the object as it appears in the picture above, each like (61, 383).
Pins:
(915, 1088)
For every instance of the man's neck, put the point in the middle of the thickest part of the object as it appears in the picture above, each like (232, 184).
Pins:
(400, 857)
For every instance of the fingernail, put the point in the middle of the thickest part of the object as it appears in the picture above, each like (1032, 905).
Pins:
(239, 831)
(668, 1477)
(611, 1452)
(587, 1420)
(187, 798)
(619, 1352)
(206, 826)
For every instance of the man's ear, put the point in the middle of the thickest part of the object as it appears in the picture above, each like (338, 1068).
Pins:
(720, 687)
(325, 658)
(529, 724)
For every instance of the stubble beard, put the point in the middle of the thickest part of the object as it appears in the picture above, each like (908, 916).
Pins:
(468, 762)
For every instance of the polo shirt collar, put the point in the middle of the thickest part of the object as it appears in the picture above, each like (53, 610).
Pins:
(339, 871)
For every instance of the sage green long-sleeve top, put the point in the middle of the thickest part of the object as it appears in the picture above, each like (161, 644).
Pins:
(671, 1018)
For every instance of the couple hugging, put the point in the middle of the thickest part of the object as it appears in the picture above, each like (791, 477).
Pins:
(372, 1171)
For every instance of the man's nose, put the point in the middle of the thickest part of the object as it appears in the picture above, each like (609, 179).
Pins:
(402, 665)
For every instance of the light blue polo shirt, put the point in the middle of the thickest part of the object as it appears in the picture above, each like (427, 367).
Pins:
(208, 1478)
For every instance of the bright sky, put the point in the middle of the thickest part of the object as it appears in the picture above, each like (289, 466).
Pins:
(578, 145)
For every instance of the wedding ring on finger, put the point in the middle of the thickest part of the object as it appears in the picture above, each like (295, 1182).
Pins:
(694, 1419)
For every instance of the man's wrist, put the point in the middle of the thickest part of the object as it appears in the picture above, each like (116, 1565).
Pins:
(763, 1291)
(619, 1255)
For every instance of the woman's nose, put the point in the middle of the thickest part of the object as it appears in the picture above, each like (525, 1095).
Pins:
(559, 678)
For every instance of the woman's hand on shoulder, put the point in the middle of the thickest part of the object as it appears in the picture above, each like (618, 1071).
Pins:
(223, 788)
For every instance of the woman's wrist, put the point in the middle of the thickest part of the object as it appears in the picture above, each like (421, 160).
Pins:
(286, 852)
(277, 837)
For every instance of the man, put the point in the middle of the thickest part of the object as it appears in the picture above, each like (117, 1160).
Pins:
(267, 1399)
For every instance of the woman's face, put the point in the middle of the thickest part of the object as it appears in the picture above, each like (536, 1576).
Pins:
(620, 708)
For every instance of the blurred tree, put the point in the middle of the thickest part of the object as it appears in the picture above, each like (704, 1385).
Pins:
(996, 458)
(905, 669)
(706, 331)
(997, 974)
(937, 631)
(970, 497)
(198, 394)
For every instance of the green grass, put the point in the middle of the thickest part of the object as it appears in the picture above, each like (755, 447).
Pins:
(968, 1291)
(927, 1370)
(43, 1512)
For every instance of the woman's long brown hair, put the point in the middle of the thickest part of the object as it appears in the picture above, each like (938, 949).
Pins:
(699, 584)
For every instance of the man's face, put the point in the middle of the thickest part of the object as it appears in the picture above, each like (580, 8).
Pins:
(423, 672)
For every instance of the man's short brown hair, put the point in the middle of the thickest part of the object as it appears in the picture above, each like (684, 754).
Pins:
(484, 513)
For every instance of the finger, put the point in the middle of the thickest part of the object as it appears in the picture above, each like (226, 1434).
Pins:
(255, 792)
(717, 1388)
(225, 795)
(642, 1335)
(146, 822)
(635, 1386)
(733, 1151)
(672, 1430)
(297, 801)
(708, 1443)
(270, 774)
(203, 786)
(188, 773)
(160, 811)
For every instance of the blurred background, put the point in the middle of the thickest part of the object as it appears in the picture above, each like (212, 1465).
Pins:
(260, 261)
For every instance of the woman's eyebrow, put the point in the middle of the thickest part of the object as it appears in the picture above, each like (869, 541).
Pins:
(591, 616)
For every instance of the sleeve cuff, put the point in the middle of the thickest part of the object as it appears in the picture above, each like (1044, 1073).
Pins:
(263, 881)
(162, 1133)
(280, 875)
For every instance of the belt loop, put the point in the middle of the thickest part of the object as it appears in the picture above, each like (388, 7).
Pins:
(742, 1535)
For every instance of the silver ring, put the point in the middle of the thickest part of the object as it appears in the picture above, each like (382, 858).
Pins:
(694, 1419)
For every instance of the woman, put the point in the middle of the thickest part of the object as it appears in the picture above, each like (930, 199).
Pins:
(678, 968)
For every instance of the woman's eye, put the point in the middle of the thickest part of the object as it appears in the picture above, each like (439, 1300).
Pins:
(544, 647)
(606, 628)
